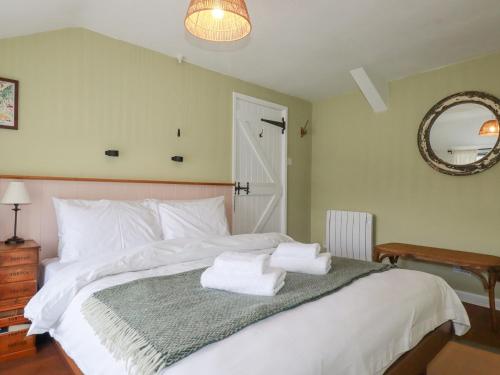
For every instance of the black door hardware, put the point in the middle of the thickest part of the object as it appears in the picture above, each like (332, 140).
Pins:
(281, 125)
(239, 188)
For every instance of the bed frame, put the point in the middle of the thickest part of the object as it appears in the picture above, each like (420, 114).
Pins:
(38, 222)
(71, 364)
(413, 362)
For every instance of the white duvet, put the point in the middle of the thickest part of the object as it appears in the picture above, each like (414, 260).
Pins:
(361, 329)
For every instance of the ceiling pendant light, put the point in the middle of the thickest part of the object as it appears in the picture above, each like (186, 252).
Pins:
(218, 20)
(490, 128)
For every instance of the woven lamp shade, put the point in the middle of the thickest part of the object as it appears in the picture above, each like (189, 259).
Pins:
(218, 20)
(490, 128)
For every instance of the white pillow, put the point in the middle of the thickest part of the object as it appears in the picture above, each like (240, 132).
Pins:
(193, 219)
(88, 228)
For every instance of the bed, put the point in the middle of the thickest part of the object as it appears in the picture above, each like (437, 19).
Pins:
(382, 316)
(391, 322)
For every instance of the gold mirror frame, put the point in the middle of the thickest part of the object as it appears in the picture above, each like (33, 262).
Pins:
(424, 145)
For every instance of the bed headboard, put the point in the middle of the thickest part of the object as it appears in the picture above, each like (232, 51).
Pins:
(37, 221)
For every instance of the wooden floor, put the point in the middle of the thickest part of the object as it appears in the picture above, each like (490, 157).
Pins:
(48, 361)
(480, 333)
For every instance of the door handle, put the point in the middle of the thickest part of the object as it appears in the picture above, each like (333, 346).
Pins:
(238, 188)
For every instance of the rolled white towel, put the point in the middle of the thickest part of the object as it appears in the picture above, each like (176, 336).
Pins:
(319, 266)
(246, 263)
(267, 284)
(298, 250)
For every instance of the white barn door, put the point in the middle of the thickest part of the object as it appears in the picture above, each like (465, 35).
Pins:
(259, 163)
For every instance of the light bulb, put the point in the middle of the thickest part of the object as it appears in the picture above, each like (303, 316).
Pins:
(217, 13)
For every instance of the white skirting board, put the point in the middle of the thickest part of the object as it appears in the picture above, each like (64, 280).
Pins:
(476, 299)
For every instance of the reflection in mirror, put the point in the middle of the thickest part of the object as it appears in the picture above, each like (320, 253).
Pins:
(464, 134)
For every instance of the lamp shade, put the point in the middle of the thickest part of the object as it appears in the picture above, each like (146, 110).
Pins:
(218, 20)
(490, 129)
(16, 193)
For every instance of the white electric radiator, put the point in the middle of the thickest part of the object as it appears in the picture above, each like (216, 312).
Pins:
(349, 234)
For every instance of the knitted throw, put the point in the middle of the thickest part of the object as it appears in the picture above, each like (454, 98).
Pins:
(152, 323)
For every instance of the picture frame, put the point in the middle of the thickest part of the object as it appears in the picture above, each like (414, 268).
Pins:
(9, 104)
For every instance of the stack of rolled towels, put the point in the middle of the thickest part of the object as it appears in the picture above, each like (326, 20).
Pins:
(244, 273)
(300, 257)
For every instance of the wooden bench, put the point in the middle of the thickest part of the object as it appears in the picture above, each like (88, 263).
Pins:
(478, 264)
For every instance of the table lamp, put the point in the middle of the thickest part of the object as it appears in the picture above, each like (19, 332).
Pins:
(17, 195)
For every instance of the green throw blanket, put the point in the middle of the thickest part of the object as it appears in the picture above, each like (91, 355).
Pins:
(152, 323)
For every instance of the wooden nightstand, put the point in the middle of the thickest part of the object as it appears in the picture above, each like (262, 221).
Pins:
(18, 283)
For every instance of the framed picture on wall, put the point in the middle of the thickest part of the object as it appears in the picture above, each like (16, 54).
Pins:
(9, 102)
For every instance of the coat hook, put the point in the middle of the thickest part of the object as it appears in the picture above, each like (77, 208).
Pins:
(303, 130)
(112, 153)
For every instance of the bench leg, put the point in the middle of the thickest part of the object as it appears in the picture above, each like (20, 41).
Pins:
(492, 280)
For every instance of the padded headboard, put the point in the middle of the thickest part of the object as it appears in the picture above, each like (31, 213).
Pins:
(37, 221)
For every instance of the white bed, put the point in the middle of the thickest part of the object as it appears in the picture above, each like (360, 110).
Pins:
(50, 267)
(361, 329)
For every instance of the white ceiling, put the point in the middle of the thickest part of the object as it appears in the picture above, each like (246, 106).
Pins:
(300, 47)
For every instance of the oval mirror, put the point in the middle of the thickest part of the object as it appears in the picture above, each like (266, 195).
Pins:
(460, 134)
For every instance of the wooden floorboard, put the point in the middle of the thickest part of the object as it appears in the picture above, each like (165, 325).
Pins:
(480, 332)
(48, 361)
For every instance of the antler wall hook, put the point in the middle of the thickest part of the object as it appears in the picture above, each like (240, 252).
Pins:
(303, 130)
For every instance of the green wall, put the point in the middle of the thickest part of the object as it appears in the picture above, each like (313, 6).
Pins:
(82, 93)
(366, 161)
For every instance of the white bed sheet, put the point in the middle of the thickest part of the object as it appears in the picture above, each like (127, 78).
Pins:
(361, 329)
(49, 268)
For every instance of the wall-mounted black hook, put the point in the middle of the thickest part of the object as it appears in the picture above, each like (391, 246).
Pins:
(261, 134)
(113, 153)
